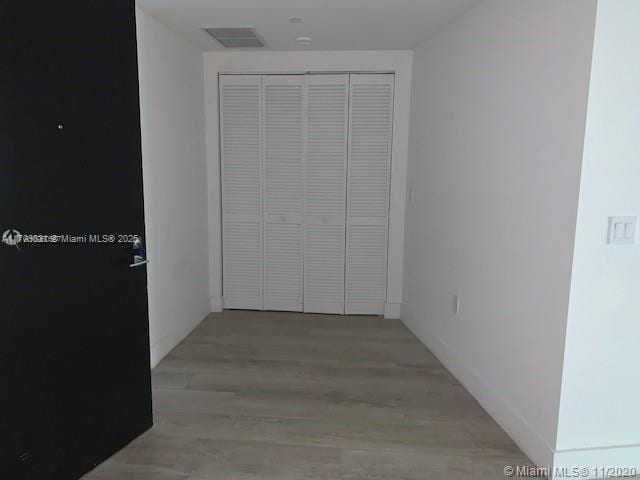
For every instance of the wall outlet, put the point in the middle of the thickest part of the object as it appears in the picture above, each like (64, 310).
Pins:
(411, 195)
(456, 304)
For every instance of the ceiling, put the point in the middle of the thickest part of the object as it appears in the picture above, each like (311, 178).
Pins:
(332, 24)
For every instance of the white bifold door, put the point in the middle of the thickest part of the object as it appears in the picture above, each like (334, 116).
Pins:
(370, 129)
(283, 140)
(241, 172)
(326, 193)
(305, 191)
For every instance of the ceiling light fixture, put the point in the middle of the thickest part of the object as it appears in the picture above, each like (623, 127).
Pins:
(295, 20)
(303, 40)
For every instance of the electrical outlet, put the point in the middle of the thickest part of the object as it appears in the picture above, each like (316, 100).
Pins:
(411, 195)
(456, 304)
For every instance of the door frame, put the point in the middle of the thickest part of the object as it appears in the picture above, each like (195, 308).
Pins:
(398, 62)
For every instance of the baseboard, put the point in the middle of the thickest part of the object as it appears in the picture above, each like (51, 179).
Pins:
(217, 304)
(505, 414)
(168, 342)
(594, 460)
(392, 310)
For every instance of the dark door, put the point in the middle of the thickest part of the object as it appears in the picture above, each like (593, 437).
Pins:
(74, 346)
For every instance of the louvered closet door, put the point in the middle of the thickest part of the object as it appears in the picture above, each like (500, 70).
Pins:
(240, 132)
(283, 132)
(326, 179)
(370, 130)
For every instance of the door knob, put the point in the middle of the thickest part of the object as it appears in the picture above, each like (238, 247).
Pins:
(139, 253)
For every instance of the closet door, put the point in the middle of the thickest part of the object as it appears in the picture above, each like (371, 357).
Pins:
(370, 130)
(325, 190)
(283, 133)
(240, 133)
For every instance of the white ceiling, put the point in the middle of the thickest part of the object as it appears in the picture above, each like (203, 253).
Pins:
(332, 24)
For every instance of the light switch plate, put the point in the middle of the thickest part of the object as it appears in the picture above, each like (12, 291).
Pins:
(622, 230)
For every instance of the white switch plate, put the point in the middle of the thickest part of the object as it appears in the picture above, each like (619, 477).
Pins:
(622, 230)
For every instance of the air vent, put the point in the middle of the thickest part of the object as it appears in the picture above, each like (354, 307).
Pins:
(241, 37)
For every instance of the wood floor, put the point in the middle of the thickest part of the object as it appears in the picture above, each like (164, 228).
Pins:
(283, 396)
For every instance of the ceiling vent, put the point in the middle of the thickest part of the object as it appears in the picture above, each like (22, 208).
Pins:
(240, 37)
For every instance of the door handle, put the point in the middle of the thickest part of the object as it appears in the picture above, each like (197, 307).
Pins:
(139, 253)
(138, 261)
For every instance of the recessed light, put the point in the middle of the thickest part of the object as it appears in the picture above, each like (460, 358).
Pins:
(304, 40)
(295, 20)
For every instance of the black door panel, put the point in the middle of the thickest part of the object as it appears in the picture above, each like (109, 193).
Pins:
(74, 347)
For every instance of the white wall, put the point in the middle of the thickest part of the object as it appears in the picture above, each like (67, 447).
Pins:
(497, 128)
(175, 188)
(600, 406)
(290, 62)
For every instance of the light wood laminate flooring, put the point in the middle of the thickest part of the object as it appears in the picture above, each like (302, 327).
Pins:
(289, 396)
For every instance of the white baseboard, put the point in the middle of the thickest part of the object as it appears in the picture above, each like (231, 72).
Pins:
(217, 304)
(168, 342)
(595, 459)
(392, 310)
(505, 414)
